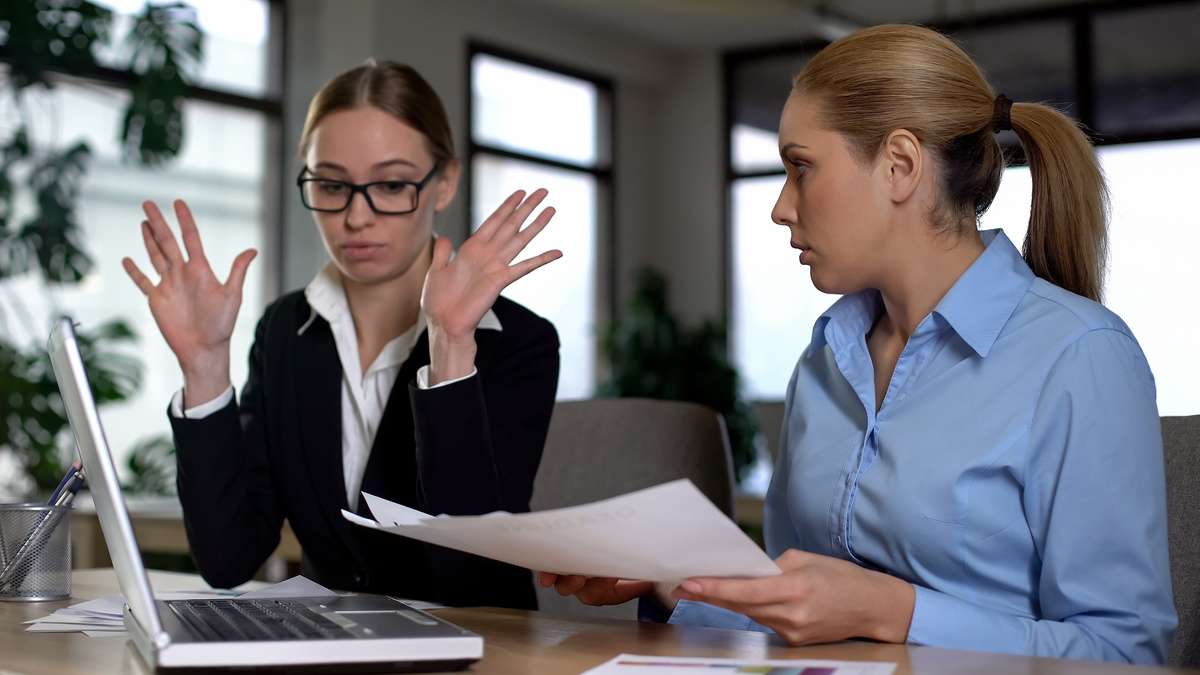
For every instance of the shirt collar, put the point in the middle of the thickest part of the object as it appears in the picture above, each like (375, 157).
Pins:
(977, 306)
(327, 297)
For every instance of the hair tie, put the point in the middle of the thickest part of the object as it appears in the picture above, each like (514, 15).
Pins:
(1002, 114)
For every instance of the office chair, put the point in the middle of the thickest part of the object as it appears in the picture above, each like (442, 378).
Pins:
(603, 448)
(1181, 449)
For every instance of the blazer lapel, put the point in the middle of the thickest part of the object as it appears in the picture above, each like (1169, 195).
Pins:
(319, 419)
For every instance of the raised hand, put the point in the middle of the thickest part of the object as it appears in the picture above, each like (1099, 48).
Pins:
(459, 292)
(194, 311)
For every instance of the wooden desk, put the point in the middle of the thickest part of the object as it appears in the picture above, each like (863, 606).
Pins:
(520, 642)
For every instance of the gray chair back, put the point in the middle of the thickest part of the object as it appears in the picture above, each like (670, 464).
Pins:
(1181, 448)
(603, 448)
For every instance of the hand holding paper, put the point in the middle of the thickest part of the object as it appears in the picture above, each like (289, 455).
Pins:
(666, 533)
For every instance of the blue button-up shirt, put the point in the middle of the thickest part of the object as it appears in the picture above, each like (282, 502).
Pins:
(1013, 474)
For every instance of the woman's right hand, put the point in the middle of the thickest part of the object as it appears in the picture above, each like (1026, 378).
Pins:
(600, 591)
(193, 309)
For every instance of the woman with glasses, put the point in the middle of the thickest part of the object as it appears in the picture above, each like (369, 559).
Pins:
(399, 371)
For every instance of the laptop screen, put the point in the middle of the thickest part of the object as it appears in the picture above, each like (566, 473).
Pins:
(101, 474)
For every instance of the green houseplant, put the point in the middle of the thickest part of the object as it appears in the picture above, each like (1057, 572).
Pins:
(653, 356)
(42, 41)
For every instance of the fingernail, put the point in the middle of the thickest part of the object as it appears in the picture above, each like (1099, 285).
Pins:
(691, 586)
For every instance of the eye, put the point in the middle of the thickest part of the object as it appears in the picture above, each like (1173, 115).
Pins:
(801, 169)
(391, 187)
(331, 187)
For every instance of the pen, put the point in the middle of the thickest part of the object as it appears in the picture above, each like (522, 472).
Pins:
(62, 496)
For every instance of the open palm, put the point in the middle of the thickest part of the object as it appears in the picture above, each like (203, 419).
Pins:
(193, 309)
(459, 292)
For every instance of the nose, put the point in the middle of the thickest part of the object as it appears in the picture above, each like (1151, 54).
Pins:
(359, 213)
(784, 212)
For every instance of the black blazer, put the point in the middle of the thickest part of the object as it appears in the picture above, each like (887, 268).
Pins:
(467, 448)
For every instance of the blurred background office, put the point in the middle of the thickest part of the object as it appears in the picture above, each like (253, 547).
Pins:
(653, 124)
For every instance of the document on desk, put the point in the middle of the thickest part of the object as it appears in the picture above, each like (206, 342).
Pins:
(630, 664)
(668, 533)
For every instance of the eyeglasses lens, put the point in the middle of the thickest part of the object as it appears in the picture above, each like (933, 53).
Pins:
(328, 195)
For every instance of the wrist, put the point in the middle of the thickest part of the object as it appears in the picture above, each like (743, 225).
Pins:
(892, 615)
(205, 377)
(450, 358)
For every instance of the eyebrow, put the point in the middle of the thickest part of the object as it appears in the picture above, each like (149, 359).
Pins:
(378, 165)
(789, 146)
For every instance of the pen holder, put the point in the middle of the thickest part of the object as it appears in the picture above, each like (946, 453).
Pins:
(35, 552)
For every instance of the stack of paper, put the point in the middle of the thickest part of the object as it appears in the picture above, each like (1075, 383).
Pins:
(102, 617)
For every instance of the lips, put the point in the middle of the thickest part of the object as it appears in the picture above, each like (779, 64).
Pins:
(361, 250)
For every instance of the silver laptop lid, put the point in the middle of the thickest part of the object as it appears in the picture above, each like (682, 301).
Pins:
(102, 476)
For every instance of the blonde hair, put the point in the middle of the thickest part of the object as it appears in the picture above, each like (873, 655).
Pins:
(392, 87)
(884, 78)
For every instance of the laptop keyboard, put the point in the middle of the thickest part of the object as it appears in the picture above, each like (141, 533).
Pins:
(255, 620)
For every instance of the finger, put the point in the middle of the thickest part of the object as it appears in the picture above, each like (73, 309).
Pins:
(530, 264)
(521, 238)
(570, 583)
(139, 279)
(517, 218)
(488, 228)
(189, 233)
(742, 595)
(546, 579)
(237, 274)
(154, 250)
(162, 233)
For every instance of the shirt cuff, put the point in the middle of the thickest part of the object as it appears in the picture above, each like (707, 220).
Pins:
(941, 620)
(423, 378)
(201, 411)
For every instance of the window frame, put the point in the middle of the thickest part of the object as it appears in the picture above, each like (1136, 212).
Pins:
(274, 190)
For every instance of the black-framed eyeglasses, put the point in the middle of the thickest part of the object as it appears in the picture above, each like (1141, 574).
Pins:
(387, 197)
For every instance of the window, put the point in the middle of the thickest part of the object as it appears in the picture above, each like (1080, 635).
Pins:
(221, 172)
(531, 127)
(1119, 71)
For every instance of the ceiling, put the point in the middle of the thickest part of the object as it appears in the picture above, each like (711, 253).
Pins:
(723, 24)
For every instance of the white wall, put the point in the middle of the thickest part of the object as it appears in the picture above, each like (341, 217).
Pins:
(668, 176)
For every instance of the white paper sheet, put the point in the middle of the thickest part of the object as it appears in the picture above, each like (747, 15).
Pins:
(667, 533)
(102, 617)
(631, 664)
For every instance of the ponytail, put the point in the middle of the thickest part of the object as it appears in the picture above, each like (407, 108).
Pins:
(1067, 240)
(884, 78)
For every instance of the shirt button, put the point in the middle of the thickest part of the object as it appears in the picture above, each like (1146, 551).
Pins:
(838, 539)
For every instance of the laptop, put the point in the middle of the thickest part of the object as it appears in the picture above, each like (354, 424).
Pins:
(342, 633)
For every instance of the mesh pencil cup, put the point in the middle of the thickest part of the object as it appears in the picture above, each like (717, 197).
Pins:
(35, 552)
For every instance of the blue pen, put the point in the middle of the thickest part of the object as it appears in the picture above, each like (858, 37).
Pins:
(73, 479)
(63, 495)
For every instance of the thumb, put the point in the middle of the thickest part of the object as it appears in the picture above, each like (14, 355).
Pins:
(237, 274)
(442, 248)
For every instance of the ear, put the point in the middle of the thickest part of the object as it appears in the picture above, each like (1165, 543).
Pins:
(447, 182)
(902, 163)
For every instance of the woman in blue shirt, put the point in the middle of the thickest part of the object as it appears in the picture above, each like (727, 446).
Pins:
(971, 455)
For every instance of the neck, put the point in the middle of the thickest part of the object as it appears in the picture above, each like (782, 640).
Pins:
(923, 277)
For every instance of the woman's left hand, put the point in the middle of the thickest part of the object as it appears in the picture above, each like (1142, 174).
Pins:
(816, 599)
(459, 292)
